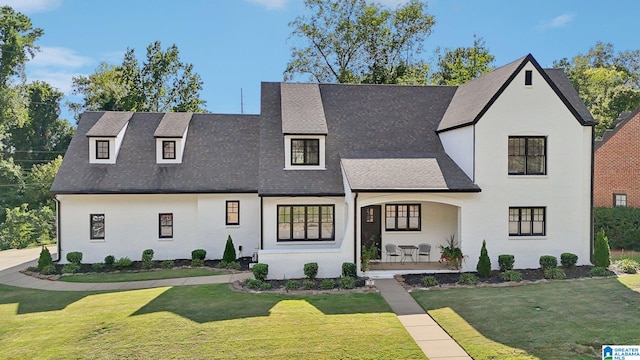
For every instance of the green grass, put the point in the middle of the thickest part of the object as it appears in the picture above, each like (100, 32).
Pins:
(625, 254)
(140, 276)
(198, 322)
(554, 320)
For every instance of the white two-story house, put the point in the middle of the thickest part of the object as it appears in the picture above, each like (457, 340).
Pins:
(326, 169)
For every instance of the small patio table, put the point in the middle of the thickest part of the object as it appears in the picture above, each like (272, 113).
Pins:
(408, 251)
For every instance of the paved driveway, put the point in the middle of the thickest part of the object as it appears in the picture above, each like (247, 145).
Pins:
(13, 257)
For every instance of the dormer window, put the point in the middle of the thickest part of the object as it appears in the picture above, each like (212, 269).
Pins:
(305, 151)
(168, 149)
(102, 149)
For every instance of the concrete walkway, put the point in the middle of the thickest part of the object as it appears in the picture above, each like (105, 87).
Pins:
(434, 342)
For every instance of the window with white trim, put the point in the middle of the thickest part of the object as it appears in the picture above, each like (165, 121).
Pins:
(305, 152)
(527, 221)
(306, 222)
(402, 217)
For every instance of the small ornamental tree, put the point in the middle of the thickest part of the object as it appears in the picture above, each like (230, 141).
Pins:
(601, 254)
(484, 262)
(45, 258)
(229, 251)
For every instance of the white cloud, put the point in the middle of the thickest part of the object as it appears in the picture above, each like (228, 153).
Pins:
(61, 80)
(31, 6)
(59, 57)
(556, 22)
(271, 4)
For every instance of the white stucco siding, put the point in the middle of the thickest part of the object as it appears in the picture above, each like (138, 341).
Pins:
(458, 144)
(132, 225)
(564, 191)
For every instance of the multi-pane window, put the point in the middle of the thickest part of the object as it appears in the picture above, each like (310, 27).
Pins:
(527, 155)
(619, 200)
(369, 215)
(97, 226)
(166, 225)
(402, 217)
(305, 151)
(168, 149)
(233, 212)
(525, 221)
(102, 149)
(306, 222)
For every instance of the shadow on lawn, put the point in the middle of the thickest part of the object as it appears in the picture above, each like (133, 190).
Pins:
(34, 301)
(207, 303)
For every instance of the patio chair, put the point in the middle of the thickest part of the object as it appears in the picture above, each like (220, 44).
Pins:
(424, 249)
(392, 251)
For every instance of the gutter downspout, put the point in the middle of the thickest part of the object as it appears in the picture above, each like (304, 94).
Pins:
(591, 243)
(261, 223)
(355, 230)
(58, 227)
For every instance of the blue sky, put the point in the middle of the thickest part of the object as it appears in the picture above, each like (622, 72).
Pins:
(236, 44)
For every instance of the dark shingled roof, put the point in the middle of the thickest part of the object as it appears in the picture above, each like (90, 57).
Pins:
(302, 111)
(621, 121)
(109, 124)
(173, 125)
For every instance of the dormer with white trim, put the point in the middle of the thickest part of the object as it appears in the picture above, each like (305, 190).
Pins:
(304, 127)
(171, 137)
(105, 137)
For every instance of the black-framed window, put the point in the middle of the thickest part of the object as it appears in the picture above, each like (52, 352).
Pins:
(527, 155)
(102, 149)
(369, 215)
(306, 222)
(166, 225)
(527, 221)
(96, 226)
(528, 77)
(305, 152)
(402, 217)
(619, 200)
(168, 149)
(233, 212)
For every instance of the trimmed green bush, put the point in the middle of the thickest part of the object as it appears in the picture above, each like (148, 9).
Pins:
(147, 255)
(48, 270)
(253, 283)
(628, 266)
(467, 279)
(506, 261)
(347, 282)
(167, 264)
(234, 265)
(599, 271)
(311, 270)
(484, 262)
(292, 285)
(349, 269)
(429, 281)
(621, 224)
(199, 254)
(601, 253)
(568, 259)
(197, 262)
(265, 286)
(548, 262)
(122, 263)
(260, 271)
(44, 259)
(109, 260)
(229, 254)
(327, 284)
(74, 257)
(70, 268)
(511, 275)
(97, 266)
(554, 274)
(308, 284)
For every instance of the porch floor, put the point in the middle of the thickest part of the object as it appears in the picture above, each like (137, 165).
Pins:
(407, 265)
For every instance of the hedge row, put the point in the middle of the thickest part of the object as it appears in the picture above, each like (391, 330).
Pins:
(621, 224)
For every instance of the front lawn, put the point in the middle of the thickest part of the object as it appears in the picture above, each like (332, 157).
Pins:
(554, 320)
(142, 275)
(198, 322)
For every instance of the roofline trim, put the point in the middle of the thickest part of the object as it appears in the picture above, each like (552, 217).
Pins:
(152, 192)
(603, 140)
(417, 190)
(302, 195)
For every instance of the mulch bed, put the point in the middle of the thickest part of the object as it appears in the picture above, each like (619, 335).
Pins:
(157, 264)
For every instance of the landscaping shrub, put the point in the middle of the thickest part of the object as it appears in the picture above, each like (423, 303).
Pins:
(506, 261)
(554, 274)
(621, 224)
(70, 268)
(349, 269)
(147, 255)
(229, 265)
(292, 285)
(548, 261)
(44, 259)
(260, 271)
(628, 266)
(109, 260)
(48, 269)
(511, 275)
(428, 281)
(484, 262)
(74, 257)
(229, 254)
(311, 270)
(467, 279)
(347, 282)
(199, 254)
(308, 284)
(122, 263)
(265, 285)
(327, 284)
(167, 264)
(33, 269)
(601, 253)
(599, 271)
(197, 262)
(253, 283)
(97, 266)
(568, 259)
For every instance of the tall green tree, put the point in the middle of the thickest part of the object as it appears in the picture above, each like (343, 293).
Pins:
(352, 41)
(162, 83)
(11, 186)
(462, 64)
(607, 81)
(38, 182)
